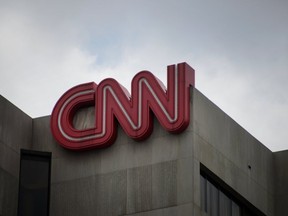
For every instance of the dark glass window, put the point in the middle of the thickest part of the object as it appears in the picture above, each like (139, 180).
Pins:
(217, 199)
(34, 183)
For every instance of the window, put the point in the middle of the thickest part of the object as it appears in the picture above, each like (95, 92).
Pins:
(218, 199)
(34, 183)
(215, 202)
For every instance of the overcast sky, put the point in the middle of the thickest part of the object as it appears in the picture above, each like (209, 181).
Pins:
(239, 50)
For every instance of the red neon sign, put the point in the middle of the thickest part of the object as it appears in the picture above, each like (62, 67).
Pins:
(111, 100)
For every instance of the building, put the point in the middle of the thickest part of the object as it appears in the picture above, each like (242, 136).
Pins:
(214, 167)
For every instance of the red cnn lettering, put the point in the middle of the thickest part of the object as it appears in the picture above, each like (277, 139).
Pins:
(112, 101)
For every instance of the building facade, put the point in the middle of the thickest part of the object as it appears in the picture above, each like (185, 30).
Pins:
(214, 167)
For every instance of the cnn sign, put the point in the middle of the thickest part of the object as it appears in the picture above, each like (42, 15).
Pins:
(112, 101)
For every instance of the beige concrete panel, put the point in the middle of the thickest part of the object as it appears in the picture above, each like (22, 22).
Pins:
(139, 189)
(198, 212)
(122, 155)
(8, 194)
(160, 185)
(186, 144)
(43, 139)
(84, 118)
(196, 183)
(75, 166)
(209, 122)
(281, 172)
(164, 184)
(261, 161)
(15, 126)
(181, 210)
(281, 205)
(232, 153)
(101, 195)
(185, 180)
(9, 160)
(281, 182)
(240, 180)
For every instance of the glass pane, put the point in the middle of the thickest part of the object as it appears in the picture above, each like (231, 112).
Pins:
(212, 199)
(203, 193)
(235, 209)
(34, 186)
(225, 205)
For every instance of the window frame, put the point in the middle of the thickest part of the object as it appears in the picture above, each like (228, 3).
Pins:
(237, 198)
(33, 155)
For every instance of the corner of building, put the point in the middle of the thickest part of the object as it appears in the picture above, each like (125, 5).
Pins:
(15, 133)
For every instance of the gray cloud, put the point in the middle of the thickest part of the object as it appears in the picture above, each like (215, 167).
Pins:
(238, 48)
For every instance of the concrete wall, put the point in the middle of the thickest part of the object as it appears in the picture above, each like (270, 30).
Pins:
(15, 133)
(228, 150)
(155, 177)
(281, 183)
(159, 176)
